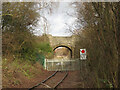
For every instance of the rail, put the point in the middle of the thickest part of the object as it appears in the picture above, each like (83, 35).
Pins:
(48, 78)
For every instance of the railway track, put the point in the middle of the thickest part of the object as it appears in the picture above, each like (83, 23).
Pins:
(46, 82)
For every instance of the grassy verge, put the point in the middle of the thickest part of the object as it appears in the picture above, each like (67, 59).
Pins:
(15, 72)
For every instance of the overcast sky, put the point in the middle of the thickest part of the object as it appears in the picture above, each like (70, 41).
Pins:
(58, 19)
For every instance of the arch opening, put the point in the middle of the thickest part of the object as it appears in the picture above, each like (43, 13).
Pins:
(62, 51)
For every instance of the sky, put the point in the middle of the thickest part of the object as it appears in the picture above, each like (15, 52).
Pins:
(59, 20)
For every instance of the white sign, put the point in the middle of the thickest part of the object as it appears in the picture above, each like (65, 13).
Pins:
(83, 54)
(82, 51)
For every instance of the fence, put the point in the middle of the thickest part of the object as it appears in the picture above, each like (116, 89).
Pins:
(63, 65)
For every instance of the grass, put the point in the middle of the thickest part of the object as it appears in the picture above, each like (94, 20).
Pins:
(15, 71)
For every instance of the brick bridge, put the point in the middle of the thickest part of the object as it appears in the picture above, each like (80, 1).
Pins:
(60, 41)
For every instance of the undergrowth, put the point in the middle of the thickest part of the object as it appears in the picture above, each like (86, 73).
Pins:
(15, 71)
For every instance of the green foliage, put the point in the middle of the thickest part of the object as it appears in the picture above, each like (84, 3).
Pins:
(18, 20)
(44, 50)
(40, 58)
(106, 82)
(44, 47)
(25, 68)
(18, 38)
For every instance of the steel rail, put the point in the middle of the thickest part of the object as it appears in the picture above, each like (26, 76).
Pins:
(60, 81)
(43, 81)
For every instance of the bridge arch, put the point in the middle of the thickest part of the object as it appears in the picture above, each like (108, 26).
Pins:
(71, 52)
(63, 41)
